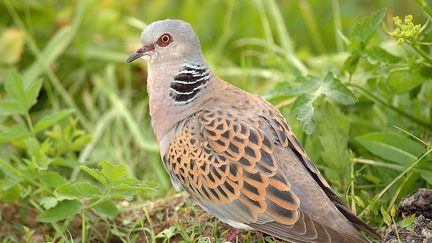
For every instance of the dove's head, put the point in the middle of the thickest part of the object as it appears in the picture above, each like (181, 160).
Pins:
(167, 41)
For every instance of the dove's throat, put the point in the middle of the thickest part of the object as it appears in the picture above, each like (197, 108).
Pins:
(174, 91)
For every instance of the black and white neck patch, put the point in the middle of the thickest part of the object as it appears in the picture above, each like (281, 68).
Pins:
(188, 83)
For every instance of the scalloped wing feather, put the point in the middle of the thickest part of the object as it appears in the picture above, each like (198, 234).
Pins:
(228, 165)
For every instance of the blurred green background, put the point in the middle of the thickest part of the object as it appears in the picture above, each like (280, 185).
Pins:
(79, 49)
(93, 39)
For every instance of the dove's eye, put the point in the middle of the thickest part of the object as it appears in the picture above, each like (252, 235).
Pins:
(164, 40)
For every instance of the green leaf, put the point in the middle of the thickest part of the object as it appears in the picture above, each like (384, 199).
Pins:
(386, 216)
(393, 211)
(350, 64)
(302, 85)
(106, 209)
(13, 133)
(333, 131)
(113, 172)
(10, 181)
(55, 47)
(361, 35)
(10, 107)
(337, 91)
(303, 109)
(407, 222)
(391, 146)
(77, 190)
(366, 27)
(51, 119)
(406, 80)
(95, 174)
(48, 202)
(37, 154)
(25, 191)
(133, 184)
(24, 97)
(80, 142)
(11, 194)
(372, 178)
(377, 54)
(52, 179)
(120, 194)
(32, 92)
(167, 233)
(127, 188)
(427, 175)
(66, 209)
(14, 86)
(359, 201)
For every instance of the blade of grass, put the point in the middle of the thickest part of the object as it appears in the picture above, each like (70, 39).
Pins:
(126, 115)
(282, 31)
(137, 23)
(51, 52)
(284, 37)
(413, 136)
(285, 40)
(337, 24)
(97, 53)
(408, 169)
(385, 165)
(425, 7)
(396, 194)
(265, 22)
(311, 23)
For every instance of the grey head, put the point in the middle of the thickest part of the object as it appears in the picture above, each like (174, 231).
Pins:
(168, 41)
(173, 53)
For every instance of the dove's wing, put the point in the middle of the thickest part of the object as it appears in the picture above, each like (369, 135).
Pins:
(229, 164)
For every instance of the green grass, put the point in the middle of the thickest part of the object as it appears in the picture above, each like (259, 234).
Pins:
(360, 103)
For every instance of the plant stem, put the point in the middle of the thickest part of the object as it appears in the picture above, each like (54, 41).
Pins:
(396, 230)
(352, 184)
(29, 123)
(379, 163)
(424, 43)
(399, 69)
(397, 110)
(419, 51)
(105, 196)
(413, 136)
(83, 226)
(337, 24)
(425, 6)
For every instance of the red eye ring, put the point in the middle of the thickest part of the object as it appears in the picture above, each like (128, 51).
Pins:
(164, 40)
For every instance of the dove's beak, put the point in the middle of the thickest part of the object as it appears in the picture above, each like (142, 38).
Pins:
(140, 52)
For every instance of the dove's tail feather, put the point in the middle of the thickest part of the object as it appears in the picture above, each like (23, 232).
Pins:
(308, 230)
(356, 221)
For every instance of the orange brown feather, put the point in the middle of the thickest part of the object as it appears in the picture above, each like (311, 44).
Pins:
(219, 159)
